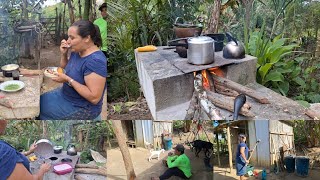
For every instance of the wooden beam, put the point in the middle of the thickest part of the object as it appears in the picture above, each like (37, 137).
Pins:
(218, 149)
(277, 133)
(229, 149)
(240, 88)
(227, 103)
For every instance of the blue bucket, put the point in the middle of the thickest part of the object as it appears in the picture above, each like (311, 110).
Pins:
(167, 143)
(289, 161)
(302, 165)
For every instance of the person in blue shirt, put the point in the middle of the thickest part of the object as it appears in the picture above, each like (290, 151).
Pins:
(242, 156)
(15, 165)
(84, 81)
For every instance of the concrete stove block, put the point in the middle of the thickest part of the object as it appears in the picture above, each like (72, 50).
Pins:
(168, 88)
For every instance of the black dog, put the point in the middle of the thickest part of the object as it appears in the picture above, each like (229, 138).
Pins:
(199, 145)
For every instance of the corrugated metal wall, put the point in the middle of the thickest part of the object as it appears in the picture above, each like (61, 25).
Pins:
(281, 135)
(263, 148)
(252, 140)
(144, 132)
(161, 127)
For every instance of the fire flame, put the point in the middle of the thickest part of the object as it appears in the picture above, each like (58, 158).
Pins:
(217, 71)
(205, 80)
(205, 76)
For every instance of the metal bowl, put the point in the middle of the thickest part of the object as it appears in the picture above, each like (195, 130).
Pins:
(8, 69)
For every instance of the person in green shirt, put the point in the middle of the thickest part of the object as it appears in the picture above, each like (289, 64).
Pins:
(102, 24)
(178, 164)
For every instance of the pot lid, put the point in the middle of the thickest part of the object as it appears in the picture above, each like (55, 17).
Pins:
(10, 67)
(200, 40)
(44, 148)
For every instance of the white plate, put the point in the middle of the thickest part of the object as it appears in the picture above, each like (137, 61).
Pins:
(5, 84)
(50, 75)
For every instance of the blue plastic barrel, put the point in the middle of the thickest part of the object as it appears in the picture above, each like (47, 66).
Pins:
(167, 143)
(289, 161)
(302, 165)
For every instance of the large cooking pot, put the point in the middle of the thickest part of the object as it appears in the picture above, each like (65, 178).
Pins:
(200, 50)
(8, 69)
(234, 49)
(183, 30)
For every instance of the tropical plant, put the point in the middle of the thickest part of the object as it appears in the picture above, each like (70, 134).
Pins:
(271, 63)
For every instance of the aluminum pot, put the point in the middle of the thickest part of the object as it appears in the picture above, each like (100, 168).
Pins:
(8, 69)
(200, 50)
(57, 149)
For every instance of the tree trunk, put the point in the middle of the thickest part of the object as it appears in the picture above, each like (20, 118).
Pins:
(25, 10)
(247, 5)
(44, 129)
(25, 17)
(86, 11)
(187, 126)
(71, 13)
(124, 149)
(215, 17)
(79, 2)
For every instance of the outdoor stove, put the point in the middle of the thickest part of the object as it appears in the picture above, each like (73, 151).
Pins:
(167, 82)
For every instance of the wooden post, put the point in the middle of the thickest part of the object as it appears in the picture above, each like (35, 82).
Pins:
(79, 2)
(71, 13)
(86, 11)
(56, 25)
(58, 40)
(229, 149)
(124, 149)
(218, 150)
(215, 17)
(64, 19)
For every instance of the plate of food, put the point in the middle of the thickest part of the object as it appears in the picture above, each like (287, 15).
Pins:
(12, 86)
(49, 71)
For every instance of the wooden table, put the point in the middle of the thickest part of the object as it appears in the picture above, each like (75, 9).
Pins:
(35, 166)
(26, 102)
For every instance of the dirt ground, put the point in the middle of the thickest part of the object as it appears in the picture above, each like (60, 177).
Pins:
(129, 110)
(145, 169)
(223, 174)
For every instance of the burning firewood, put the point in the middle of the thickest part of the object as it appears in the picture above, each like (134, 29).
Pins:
(212, 112)
(240, 88)
(227, 103)
(192, 107)
(225, 91)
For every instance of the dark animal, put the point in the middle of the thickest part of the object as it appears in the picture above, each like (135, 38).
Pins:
(199, 145)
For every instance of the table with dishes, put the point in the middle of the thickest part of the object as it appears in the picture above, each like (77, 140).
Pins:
(20, 91)
(62, 162)
(20, 99)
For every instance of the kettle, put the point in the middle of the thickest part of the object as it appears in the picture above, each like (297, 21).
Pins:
(234, 49)
(71, 150)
